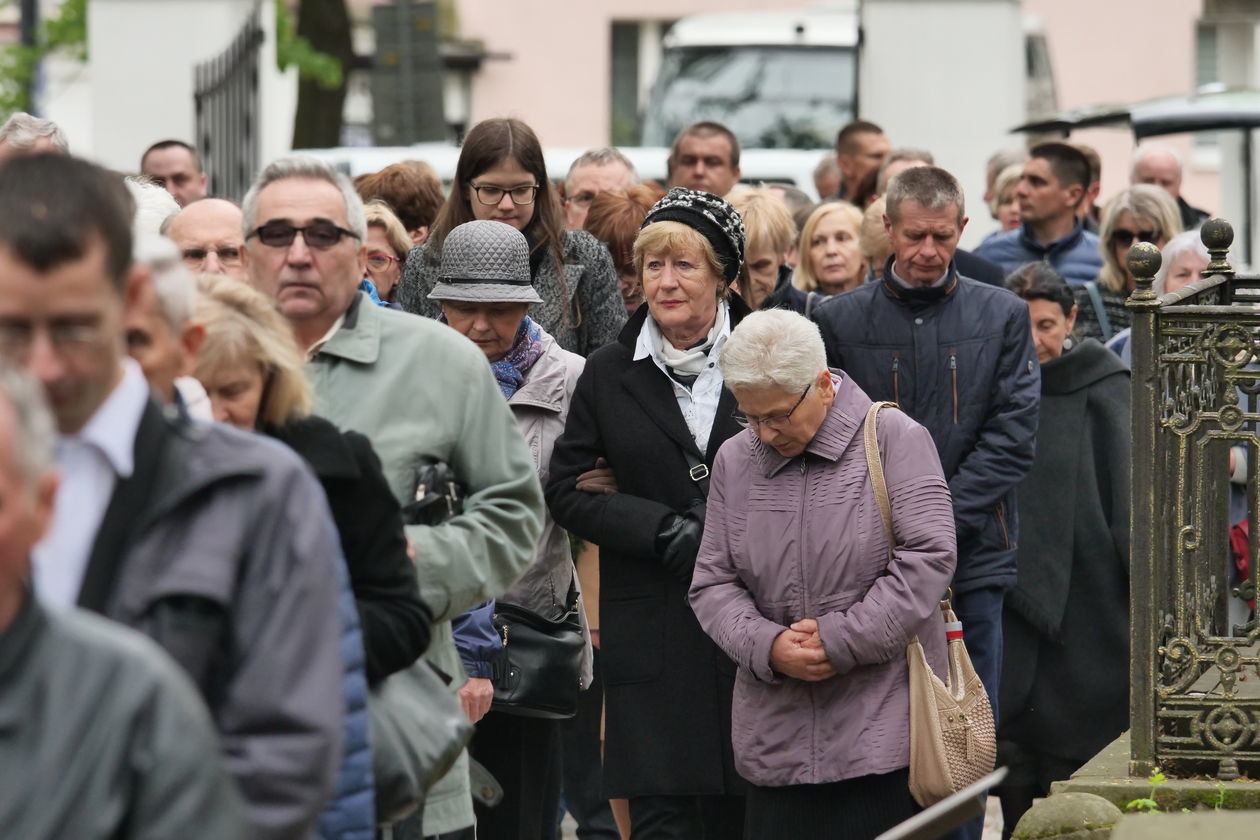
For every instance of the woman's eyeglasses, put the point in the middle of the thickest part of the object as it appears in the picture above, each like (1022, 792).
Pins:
(1125, 238)
(775, 421)
(376, 261)
(491, 195)
(321, 235)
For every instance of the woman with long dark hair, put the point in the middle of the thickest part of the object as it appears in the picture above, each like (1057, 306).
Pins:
(501, 175)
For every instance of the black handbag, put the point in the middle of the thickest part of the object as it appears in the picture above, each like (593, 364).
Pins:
(437, 495)
(542, 671)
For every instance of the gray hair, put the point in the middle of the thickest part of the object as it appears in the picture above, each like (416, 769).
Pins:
(1003, 159)
(155, 207)
(826, 165)
(603, 156)
(303, 166)
(34, 433)
(930, 186)
(1141, 153)
(1188, 242)
(173, 283)
(21, 131)
(773, 348)
(904, 154)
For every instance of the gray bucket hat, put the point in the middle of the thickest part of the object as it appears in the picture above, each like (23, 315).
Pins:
(485, 262)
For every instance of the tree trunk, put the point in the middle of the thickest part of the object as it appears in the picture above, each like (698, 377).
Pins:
(326, 25)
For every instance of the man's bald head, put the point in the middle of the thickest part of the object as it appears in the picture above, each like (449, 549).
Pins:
(209, 237)
(1159, 166)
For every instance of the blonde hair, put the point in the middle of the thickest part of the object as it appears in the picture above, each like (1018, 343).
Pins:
(379, 215)
(1145, 203)
(243, 328)
(1006, 179)
(873, 236)
(767, 221)
(803, 277)
(669, 237)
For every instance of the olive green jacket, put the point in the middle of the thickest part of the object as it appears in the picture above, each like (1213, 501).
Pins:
(420, 390)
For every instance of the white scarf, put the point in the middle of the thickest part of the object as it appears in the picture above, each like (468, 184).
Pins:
(691, 361)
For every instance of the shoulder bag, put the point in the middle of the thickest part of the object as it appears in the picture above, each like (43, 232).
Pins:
(953, 740)
(542, 673)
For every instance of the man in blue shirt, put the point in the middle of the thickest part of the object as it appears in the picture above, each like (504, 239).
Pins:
(1055, 181)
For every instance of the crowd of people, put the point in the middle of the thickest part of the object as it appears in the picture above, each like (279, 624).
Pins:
(260, 461)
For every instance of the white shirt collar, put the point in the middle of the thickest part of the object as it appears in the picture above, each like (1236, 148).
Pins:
(113, 427)
(319, 345)
(897, 277)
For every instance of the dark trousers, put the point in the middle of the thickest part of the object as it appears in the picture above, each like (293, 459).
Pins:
(853, 809)
(1031, 772)
(980, 612)
(687, 818)
(582, 767)
(523, 754)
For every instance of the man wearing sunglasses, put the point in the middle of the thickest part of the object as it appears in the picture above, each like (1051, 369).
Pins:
(419, 390)
(1056, 180)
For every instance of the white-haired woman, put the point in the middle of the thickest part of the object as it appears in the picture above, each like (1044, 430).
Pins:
(1184, 258)
(652, 406)
(796, 581)
(1140, 213)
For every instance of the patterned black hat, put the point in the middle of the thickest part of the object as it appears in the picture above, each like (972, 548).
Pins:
(711, 217)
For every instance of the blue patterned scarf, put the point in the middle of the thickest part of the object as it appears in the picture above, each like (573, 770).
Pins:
(510, 371)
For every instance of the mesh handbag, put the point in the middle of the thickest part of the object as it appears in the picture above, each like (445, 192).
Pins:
(953, 740)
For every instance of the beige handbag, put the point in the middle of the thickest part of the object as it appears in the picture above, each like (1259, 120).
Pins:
(953, 741)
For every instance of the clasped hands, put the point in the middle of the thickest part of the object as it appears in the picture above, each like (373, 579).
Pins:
(798, 652)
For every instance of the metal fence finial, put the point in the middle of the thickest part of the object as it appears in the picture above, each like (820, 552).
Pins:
(1144, 262)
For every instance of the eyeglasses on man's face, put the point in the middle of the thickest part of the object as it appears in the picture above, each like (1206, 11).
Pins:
(17, 338)
(319, 235)
(228, 256)
(774, 421)
(492, 194)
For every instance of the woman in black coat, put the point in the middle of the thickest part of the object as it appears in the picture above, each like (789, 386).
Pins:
(653, 407)
(1065, 677)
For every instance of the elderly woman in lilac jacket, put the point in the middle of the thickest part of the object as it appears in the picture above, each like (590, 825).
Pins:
(794, 582)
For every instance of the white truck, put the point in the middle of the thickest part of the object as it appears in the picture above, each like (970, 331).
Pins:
(950, 76)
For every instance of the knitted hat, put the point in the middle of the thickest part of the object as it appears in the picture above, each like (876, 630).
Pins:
(485, 262)
(711, 217)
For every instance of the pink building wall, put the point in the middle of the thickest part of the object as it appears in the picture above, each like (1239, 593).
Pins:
(1124, 51)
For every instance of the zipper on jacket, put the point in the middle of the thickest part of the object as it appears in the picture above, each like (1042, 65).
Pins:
(896, 372)
(953, 375)
(1001, 518)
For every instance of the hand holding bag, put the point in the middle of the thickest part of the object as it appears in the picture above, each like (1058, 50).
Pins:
(953, 740)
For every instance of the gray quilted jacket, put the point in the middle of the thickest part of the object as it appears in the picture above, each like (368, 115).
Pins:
(581, 306)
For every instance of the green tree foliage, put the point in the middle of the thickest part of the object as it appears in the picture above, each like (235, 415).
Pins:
(293, 50)
(64, 32)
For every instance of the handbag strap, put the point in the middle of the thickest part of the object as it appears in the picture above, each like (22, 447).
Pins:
(697, 471)
(1100, 311)
(875, 466)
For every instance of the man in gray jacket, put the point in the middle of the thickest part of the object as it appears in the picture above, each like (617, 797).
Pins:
(101, 737)
(218, 544)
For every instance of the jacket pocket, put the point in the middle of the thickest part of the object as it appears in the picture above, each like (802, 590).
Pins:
(1004, 531)
(632, 638)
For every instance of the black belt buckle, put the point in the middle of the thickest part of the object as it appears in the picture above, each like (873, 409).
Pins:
(699, 472)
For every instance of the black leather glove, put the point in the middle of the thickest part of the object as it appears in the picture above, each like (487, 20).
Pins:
(678, 541)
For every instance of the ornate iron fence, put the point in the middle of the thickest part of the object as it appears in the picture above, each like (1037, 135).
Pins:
(1196, 374)
(226, 101)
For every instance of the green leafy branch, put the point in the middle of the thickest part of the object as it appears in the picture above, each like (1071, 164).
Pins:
(292, 50)
(65, 31)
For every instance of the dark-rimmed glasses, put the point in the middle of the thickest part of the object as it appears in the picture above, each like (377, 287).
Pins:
(319, 235)
(490, 194)
(775, 421)
(1125, 238)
